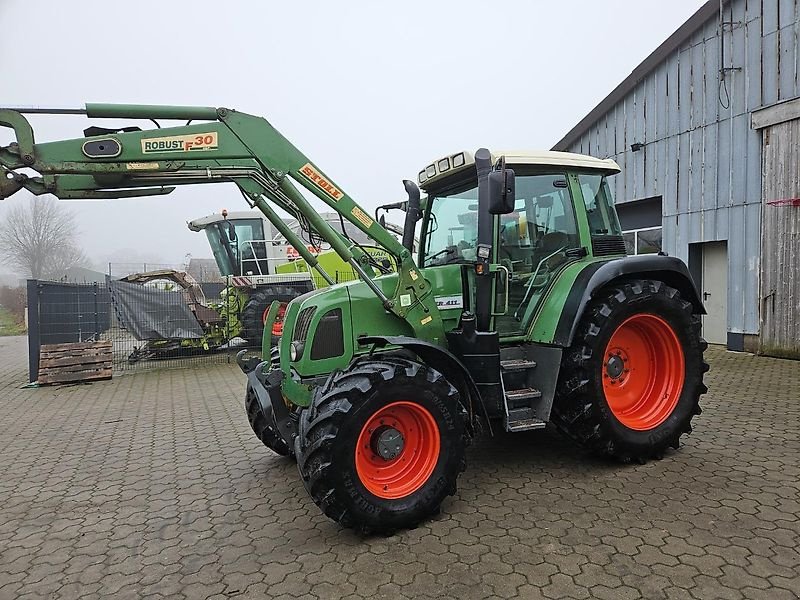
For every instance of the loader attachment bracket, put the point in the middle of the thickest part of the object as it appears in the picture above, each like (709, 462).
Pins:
(23, 133)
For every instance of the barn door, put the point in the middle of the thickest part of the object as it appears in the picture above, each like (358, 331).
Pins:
(780, 240)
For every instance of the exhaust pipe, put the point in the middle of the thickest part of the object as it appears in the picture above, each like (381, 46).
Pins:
(413, 214)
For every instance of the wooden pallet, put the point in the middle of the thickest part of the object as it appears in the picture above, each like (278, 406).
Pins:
(68, 363)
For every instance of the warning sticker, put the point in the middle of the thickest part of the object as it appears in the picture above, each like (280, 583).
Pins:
(180, 143)
(405, 300)
(427, 320)
(361, 216)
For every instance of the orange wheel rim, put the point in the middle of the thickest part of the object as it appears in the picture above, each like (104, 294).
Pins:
(277, 325)
(643, 372)
(397, 450)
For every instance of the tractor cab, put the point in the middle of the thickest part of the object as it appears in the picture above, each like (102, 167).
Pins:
(562, 212)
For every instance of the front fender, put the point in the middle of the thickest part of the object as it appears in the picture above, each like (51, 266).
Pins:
(440, 359)
(596, 276)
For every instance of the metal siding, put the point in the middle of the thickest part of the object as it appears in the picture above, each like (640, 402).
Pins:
(753, 63)
(787, 65)
(721, 224)
(769, 16)
(662, 176)
(751, 267)
(710, 161)
(683, 172)
(740, 128)
(786, 16)
(672, 68)
(685, 90)
(797, 51)
(723, 166)
(737, 248)
(769, 66)
(697, 91)
(639, 133)
(736, 57)
(670, 202)
(669, 226)
(702, 158)
(695, 170)
(753, 167)
(710, 82)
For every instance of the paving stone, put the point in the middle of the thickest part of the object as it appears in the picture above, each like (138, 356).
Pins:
(152, 485)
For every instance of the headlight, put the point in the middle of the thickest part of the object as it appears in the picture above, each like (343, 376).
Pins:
(295, 351)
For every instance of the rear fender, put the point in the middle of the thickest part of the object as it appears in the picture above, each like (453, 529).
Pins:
(596, 276)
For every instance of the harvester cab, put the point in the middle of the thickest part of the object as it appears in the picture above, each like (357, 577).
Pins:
(518, 307)
(242, 242)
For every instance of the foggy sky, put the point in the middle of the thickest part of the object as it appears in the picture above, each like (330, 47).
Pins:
(370, 91)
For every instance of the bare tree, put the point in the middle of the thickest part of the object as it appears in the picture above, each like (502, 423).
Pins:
(38, 238)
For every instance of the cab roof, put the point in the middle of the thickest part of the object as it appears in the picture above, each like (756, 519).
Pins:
(448, 165)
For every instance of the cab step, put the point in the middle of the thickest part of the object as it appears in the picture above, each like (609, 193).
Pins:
(513, 396)
(527, 423)
(517, 364)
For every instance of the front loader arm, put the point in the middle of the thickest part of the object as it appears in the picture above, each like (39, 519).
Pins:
(226, 146)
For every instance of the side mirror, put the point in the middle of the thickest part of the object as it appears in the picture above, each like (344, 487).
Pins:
(502, 195)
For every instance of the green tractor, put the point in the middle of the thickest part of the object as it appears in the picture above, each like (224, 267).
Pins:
(518, 309)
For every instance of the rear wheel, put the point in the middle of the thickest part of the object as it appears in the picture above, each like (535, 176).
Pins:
(382, 444)
(257, 306)
(631, 383)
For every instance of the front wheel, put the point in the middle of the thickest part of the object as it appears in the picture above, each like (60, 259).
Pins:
(262, 422)
(382, 444)
(631, 383)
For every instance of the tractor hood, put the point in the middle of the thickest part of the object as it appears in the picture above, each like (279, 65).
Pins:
(324, 325)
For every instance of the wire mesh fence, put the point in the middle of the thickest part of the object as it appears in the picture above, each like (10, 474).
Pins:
(159, 319)
(149, 326)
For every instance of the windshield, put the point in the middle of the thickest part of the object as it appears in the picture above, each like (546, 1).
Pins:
(542, 222)
(452, 228)
(247, 248)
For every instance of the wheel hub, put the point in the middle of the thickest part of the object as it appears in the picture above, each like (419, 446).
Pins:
(397, 450)
(387, 442)
(615, 366)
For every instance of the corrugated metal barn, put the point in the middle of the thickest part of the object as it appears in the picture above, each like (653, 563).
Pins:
(707, 132)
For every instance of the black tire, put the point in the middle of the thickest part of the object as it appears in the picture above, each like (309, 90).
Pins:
(263, 424)
(330, 428)
(253, 313)
(581, 409)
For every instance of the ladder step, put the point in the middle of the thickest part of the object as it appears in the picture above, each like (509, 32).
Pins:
(523, 394)
(517, 364)
(525, 425)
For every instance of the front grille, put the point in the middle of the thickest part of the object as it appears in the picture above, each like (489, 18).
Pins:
(606, 245)
(303, 323)
(329, 338)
